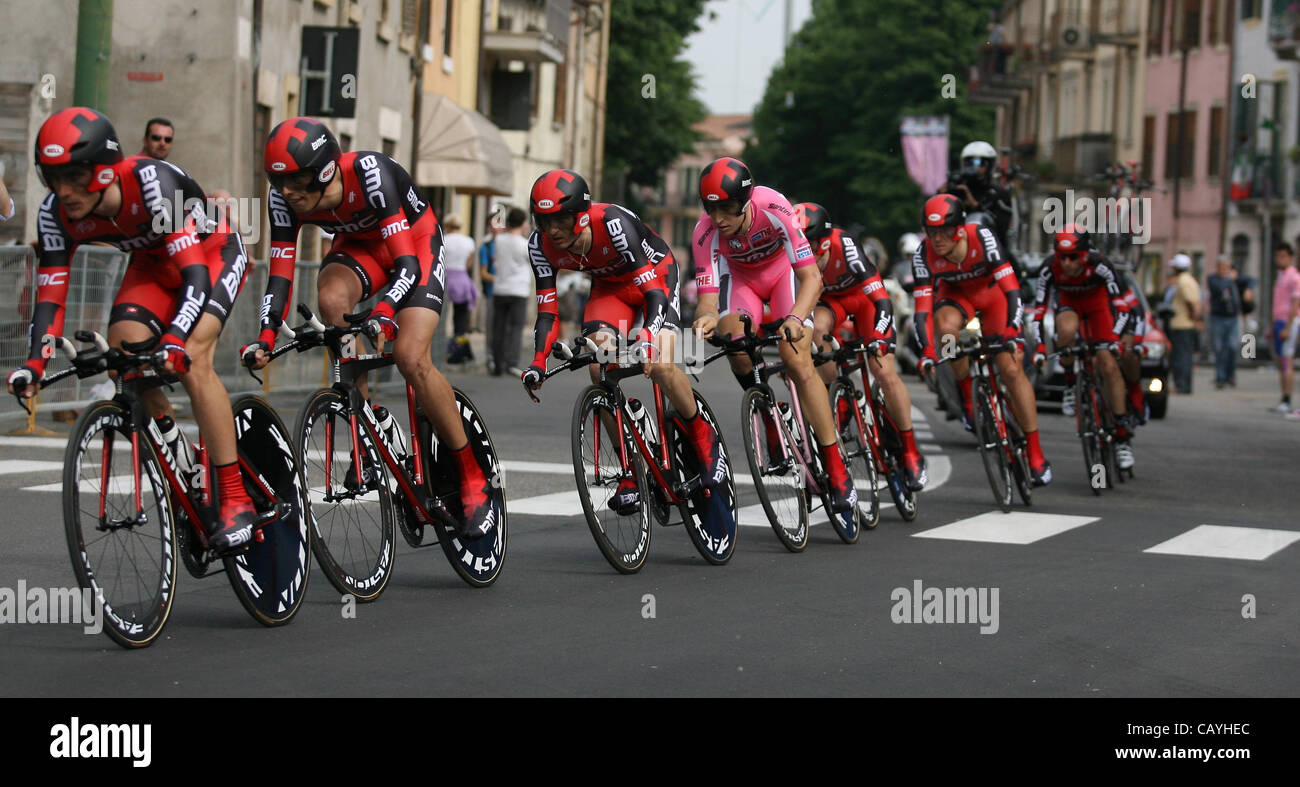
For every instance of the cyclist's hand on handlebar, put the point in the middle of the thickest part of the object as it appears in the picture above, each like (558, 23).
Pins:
(644, 350)
(1040, 355)
(378, 320)
(926, 365)
(255, 355)
(880, 347)
(705, 325)
(792, 329)
(171, 357)
(532, 379)
(23, 381)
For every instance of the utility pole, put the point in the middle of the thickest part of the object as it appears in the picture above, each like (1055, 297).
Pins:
(789, 23)
(94, 42)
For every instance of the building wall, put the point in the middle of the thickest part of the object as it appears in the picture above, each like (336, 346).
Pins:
(1196, 229)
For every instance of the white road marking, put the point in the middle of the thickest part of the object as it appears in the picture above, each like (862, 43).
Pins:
(1240, 543)
(11, 466)
(1017, 527)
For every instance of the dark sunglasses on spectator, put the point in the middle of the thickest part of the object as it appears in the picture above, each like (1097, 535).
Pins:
(157, 138)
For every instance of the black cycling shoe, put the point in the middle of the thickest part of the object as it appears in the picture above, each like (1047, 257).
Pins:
(627, 498)
(1041, 476)
(479, 520)
(233, 533)
(914, 471)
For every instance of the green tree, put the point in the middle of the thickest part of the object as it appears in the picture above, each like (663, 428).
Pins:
(826, 129)
(650, 103)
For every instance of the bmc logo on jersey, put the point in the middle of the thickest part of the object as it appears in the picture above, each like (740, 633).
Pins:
(394, 228)
(52, 279)
(545, 297)
(648, 276)
(374, 182)
(53, 150)
(181, 244)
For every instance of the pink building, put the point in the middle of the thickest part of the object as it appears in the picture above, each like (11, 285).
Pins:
(1189, 55)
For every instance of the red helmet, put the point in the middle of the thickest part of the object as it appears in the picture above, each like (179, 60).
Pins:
(943, 210)
(1072, 240)
(78, 135)
(561, 192)
(724, 179)
(812, 219)
(301, 144)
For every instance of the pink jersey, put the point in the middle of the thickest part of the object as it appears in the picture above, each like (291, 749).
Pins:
(1286, 288)
(773, 239)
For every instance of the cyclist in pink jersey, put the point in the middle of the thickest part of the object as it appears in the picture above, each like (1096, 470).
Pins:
(749, 251)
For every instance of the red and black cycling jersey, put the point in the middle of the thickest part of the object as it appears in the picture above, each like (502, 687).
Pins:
(849, 272)
(1096, 276)
(985, 265)
(380, 203)
(623, 251)
(163, 219)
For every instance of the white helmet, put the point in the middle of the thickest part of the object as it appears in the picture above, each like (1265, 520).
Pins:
(908, 244)
(978, 149)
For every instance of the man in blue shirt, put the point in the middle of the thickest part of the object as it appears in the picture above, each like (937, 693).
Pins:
(1225, 296)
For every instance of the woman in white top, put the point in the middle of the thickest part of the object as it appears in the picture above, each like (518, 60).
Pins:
(458, 262)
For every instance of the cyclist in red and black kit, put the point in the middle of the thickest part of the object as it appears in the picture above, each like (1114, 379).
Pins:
(960, 271)
(852, 288)
(633, 273)
(181, 284)
(387, 242)
(1088, 290)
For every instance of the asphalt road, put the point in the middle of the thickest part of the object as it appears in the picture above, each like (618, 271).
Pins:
(1126, 594)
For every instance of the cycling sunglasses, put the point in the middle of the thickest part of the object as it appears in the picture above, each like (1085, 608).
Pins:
(302, 180)
(77, 175)
(157, 138)
(726, 207)
(947, 233)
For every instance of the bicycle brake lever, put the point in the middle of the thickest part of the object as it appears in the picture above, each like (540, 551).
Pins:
(532, 395)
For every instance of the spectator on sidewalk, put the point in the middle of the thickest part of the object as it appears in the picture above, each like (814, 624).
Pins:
(486, 268)
(1286, 315)
(7, 206)
(457, 261)
(512, 286)
(157, 142)
(1186, 303)
(1223, 291)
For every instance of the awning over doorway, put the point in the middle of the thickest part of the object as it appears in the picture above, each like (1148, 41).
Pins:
(462, 149)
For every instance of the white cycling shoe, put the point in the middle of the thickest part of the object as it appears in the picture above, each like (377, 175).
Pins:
(1124, 456)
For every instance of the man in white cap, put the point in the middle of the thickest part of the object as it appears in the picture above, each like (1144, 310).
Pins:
(1183, 325)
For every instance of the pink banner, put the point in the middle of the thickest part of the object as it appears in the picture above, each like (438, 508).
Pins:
(925, 151)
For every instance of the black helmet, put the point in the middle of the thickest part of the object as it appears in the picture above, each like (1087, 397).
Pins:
(724, 179)
(301, 144)
(561, 192)
(812, 219)
(78, 135)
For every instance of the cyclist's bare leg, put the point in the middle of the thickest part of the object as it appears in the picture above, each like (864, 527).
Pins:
(1067, 326)
(1113, 380)
(337, 292)
(605, 341)
(208, 394)
(822, 325)
(1023, 404)
(670, 376)
(948, 321)
(730, 327)
(1129, 363)
(897, 401)
(155, 400)
(812, 391)
(411, 351)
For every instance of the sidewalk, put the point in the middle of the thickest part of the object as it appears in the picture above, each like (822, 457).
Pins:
(1258, 389)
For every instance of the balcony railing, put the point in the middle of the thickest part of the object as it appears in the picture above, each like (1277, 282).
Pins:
(1257, 177)
(1284, 28)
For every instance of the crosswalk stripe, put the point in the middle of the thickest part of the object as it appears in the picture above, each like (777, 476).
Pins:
(11, 466)
(1017, 527)
(1241, 543)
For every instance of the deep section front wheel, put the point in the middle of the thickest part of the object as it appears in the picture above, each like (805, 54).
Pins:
(353, 520)
(124, 554)
(858, 450)
(599, 469)
(778, 477)
(709, 514)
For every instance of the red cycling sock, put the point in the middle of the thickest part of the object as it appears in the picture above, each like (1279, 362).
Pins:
(909, 443)
(230, 486)
(471, 475)
(1035, 450)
